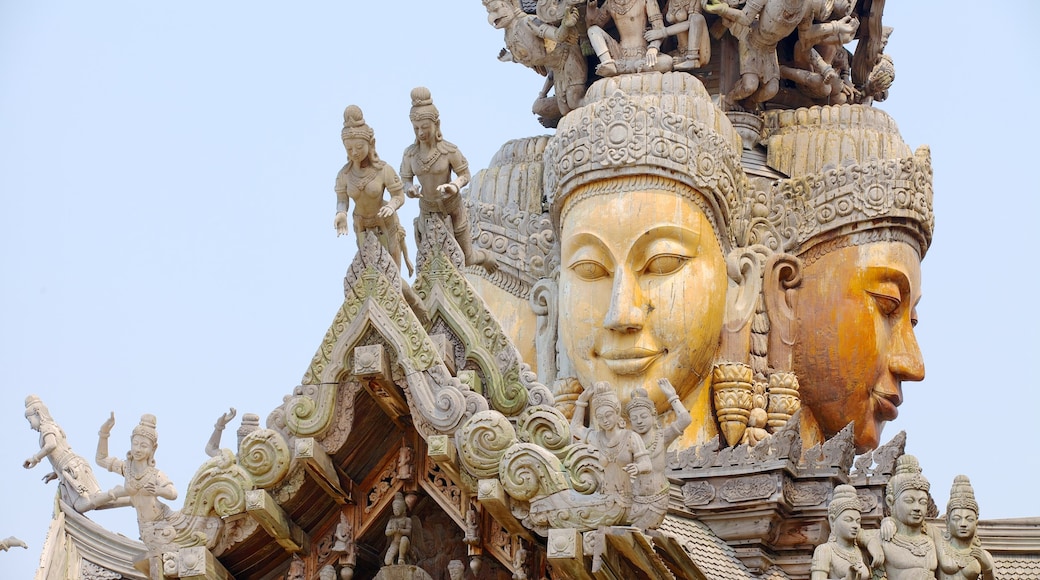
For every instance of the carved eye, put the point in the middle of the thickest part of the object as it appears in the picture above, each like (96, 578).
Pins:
(887, 304)
(665, 264)
(589, 270)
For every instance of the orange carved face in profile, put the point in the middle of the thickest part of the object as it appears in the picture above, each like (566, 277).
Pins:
(642, 293)
(854, 342)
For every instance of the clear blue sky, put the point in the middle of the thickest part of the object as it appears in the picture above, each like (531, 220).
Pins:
(166, 204)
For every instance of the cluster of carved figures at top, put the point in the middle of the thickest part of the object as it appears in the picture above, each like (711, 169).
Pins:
(798, 43)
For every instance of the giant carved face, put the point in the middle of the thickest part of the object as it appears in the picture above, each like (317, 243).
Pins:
(642, 293)
(854, 340)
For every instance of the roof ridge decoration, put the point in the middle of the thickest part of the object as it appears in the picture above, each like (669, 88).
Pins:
(508, 383)
(373, 300)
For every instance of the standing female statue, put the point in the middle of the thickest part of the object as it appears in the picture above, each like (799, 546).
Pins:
(840, 558)
(651, 492)
(961, 556)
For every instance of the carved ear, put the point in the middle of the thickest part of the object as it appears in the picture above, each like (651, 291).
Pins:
(744, 266)
(783, 274)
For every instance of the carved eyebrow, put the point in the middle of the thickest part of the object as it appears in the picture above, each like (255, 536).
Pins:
(894, 275)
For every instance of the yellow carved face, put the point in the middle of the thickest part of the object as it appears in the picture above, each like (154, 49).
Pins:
(854, 341)
(642, 292)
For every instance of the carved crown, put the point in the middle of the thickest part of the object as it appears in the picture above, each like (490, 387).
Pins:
(650, 124)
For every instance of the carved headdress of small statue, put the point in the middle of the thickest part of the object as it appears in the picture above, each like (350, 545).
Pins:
(355, 127)
(663, 129)
(907, 476)
(640, 400)
(962, 495)
(604, 396)
(845, 498)
(146, 428)
(423, 109)
(35, 406)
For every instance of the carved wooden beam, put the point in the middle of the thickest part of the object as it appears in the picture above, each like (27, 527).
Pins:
(564, 551)
(493, 498)
(194, 564)
(441, 449)
(627, 549)
(320, 466)
(273, 519)
(672, 551)
(372, 365)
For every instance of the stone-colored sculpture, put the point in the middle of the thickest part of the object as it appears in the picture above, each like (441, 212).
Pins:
(456, 570)
(759, 27)
(646, 293)
(840, 558)
(327, 573)
(528, 40)
(213, 445)
(364, 179)
(406, 463)
(77, 484)
(297, 569)
(961, 556)
(882, 75)
(11, 542)
(145, 486)
(758, 418)
(820, 65)
(399, 531)
(909, 553)
(432, 160)
(685, 22)
(622, 454)
(650, 493)
(632, 53)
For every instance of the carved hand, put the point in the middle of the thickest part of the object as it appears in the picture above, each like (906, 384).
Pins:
(846, 29)
(654, 34)
(715, 6)
(570, 19)
(448, 189)
(666, 388)
(887, 530)
(651, 57)
(31, 462)
(341, 224)
(106, 427)
(226, 418)
(632, 469)
(385, 212)
(412, 190)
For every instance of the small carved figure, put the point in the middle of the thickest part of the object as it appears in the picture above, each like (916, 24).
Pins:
(651, 492)
(456, 569)
(297, 569)
(399, 530)
(520, 562)
(526, 39)
(820, 64)
(327, 572)
(961, 556)
(687, 24)
(405, 463)
(904, 546)
(882, 75)
(364, 179)
(632, 53)
(213, 445)
(840, 558)
(472, 537)
(344, 544)
(621, 451)
(144, 484)
(11, 542)
(757, 420)
(75, 477)
(432, 160)
(759, 26)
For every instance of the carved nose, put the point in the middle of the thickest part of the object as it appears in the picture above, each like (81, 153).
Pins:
(624, 314)
(905, 361)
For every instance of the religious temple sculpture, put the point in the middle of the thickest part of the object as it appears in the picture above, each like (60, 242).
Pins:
(648, 345)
